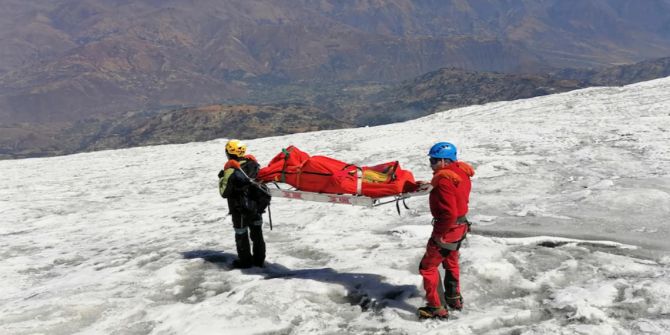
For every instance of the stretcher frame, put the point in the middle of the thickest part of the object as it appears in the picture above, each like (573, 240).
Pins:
(281, 190)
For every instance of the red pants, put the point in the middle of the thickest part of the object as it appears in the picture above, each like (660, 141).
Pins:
(428, 268)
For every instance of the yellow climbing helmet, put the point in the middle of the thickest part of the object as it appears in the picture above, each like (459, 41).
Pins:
(236, 148)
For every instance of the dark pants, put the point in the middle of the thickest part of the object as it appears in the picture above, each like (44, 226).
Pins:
(249, 226)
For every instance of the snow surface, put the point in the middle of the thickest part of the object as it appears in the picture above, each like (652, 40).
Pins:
(571, 204)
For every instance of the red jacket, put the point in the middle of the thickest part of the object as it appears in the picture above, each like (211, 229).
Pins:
(449, 200)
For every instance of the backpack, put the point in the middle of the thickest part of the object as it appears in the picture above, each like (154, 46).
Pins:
(256, 197)
(260, 195)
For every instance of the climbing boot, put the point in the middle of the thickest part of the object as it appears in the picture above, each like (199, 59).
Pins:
(455, 303)
(430, 312)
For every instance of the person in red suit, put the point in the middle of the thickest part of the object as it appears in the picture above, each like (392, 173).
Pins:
(448, 204)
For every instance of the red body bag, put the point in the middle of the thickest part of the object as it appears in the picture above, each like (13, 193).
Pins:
(327, 175)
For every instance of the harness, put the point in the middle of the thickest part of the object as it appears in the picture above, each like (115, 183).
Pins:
(453, 246)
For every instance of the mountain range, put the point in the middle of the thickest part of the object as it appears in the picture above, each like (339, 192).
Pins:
(65, 64)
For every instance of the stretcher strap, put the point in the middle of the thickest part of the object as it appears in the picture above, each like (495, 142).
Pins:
(287, 154)
(359, 181)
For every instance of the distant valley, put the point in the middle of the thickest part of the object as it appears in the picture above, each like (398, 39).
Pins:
(307, 110)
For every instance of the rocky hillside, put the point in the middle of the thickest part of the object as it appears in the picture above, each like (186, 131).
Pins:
(68, 60)
(175, 126)
(619, 75)
(339, 107)
(451, 88)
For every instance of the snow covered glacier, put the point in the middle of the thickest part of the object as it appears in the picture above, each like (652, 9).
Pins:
(571, 204)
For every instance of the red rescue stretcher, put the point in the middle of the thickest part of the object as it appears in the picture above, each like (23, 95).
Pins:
(295, 174)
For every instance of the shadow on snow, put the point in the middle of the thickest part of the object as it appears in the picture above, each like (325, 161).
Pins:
(369, 291)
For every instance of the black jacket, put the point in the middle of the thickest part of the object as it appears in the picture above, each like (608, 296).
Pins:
(235, 184)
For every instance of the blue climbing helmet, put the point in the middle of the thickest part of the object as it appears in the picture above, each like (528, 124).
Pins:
(444, 150)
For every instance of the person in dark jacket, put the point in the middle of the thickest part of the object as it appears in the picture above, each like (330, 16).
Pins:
(449, 201)
(237, 186)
